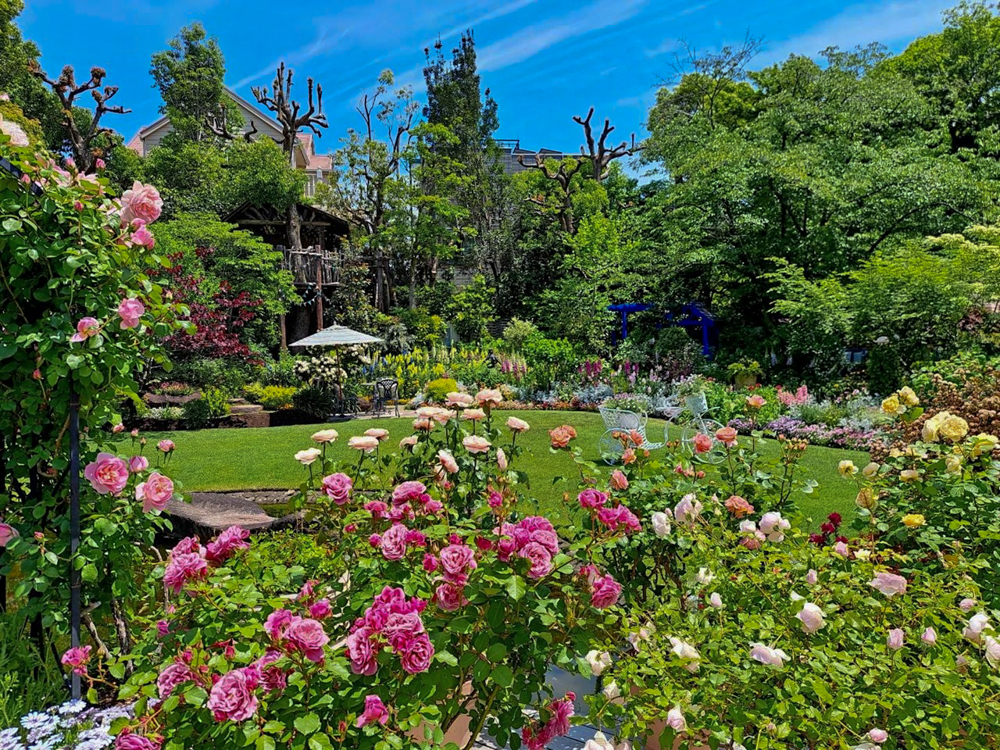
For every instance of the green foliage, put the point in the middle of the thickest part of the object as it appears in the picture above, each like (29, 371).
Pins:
(271, 397)
(28, 682)
(315, 402)
(436, 390)
(471, 310)
(517, 333)
(205, 373)
(278, 372)
(213, 405)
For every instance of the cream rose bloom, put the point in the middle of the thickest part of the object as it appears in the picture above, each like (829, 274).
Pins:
(907, 397)
(891, 405)
(984, 444)
(953, 428)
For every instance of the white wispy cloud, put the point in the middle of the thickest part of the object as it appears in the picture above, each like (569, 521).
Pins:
(498, 12)
(667, 45)
(884, 22)
(326, 40)
(539, 37)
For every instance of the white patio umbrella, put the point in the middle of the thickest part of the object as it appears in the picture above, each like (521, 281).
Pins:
(336, 335)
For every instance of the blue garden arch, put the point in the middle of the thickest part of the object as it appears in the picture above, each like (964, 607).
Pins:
(691, 315)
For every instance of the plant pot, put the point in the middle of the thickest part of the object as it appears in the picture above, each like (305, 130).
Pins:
(696, 404)
(745, 379)
(460, 731)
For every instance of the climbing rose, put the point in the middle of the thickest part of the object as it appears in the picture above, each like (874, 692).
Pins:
(773, 657)
(338, 488)
(967, 604)
(173, 675)
(7, 533)
(598, 661)
(130, 311)
(155, 492)
(888, 584)
(540, 558)
(86, 328)
(661, 524)
(840, 548)
(811, 617)
(232, 697)
(128, 741)
(606, 591)
(375, 712)
(418, 654)
(77, 658)
(450, 597)
(143, 238)
(108, 474)
(675, 719)
(141, 202)
(457, 560)
(878, 736)
(738, 506)
(773, 525)
(929, 636)
(393, 542)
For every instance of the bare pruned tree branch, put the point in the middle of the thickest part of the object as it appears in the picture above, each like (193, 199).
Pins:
(563, 176)
(287, 109)
(600, 155)
(67, 89)
(217, 124)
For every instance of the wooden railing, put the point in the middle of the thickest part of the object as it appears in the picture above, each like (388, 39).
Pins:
(311, 266)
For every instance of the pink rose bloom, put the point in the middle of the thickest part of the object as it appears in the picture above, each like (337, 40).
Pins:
(517, 425)
(702, 443)
(450, 597)
(539, 557)
(232, 698)
(138, 463)
(361, 652)
(128, 741)
(474, 415)
(85, 329)
(118, 428)
(967, 604)
(618, 480)
(605, 593)
(130, 311)
(162, 628)
(408, 442)
(173, 675)
(155, 492)
(561, 712)
(98, 163)
(458, 400)
(142, 237)
(230, 540)
(811, 617)
(187, 545)
(375, 712)
(888, 584)
(726, 435)
(167, 446)
(108, 474)
(773, 657)
(408, 492)
(840, 548)
(895, 639)
(423, 424)
(321, 609)
(773, 526)
(591, 498)
(620, 518)
(688, 509)
(141, 202)
(929, 636)
(308, 637)
(476, 444)
(393, 542)
(77, 658)
(418, 655)
(878, 736)
(338, 488)
(378, 433)
(183, 568)
(676, 720)
(364, 443)
(447, 461)
(402, 627)
(811, 577)
(489, 397)
(7, 534)
(457, 560)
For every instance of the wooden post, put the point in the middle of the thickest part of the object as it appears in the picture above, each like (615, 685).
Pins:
(319, 292)
(283, 331)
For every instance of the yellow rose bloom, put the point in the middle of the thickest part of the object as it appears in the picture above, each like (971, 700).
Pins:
(870, 470)
(847, 468)
(866, 499)
(895, 453)
(953, 428)
(912, 520)
(907, 397)
(909, 475)
(953, 464)
(929, 433)
(891, 405)
(984, 444)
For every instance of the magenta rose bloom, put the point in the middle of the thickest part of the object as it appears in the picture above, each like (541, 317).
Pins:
(226, 543)
(375, 712)
(540, 558)
(393, 542)
(173, 675)
(141, 202)
(402, 627)
(137, 464)
(605, 592)
(155, 492)
(108, 474)
(7, 534)
(277, 622)
(456, 560)
(308, 637)
(450, 597)
(408, 492)
(128, 741)
(418, 655)
(232, 698)
(338, 488)
(130, 311)
(321, 609)
(184, 568)
(77, 658)
(591, 498)
(188, 545)
(361, 652)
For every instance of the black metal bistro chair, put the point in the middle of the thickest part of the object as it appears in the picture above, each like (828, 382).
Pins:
(386, 390)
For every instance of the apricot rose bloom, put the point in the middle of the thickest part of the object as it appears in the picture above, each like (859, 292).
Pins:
(378, 433)
(517, 425)
(702, 443)
(365, 443)
(560, 436)
(726, 435)
(489, 397)
(756, 401)
(476, 444)
(325, 436)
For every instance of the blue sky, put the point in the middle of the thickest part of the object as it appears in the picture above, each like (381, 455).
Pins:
(545, 60)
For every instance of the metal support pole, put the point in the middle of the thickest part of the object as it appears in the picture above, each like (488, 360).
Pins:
(74, 526)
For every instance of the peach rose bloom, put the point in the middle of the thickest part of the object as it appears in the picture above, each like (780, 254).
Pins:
(378, 433)
(427, 412)
(702, 443)
(307, 456)
(756, 401)
(476, 444)
(628, 457)
(726, 435)
(618, 480)
(447, 461)
(365, 443)
(458, 400)
(559, 437)
(501, 459)
(517, 425)
(423, 424)
(325, 436)
(489, 396)
(475, 415)
(408, 442)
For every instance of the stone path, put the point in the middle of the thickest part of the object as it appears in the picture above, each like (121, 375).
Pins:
(208, 513)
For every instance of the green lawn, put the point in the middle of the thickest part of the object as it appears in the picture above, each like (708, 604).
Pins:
(253, 459)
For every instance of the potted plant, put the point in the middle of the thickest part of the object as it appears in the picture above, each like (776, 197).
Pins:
(692, 390)
(745, 372)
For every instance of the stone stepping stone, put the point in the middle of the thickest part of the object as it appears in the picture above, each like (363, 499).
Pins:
(208, 513)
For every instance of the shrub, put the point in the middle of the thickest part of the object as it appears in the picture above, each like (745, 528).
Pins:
(229, 375)
(316, 403)
(166, 413)
(213, 404)
(517, 333)
(271, 397)
(436, 390)
(279, 372)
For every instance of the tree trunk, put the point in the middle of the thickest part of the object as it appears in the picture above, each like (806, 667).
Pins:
(413, 286)
(294, 228)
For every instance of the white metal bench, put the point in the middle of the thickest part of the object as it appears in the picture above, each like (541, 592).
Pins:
(616, 422)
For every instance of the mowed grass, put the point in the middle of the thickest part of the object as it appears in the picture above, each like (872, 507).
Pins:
(259, 459)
